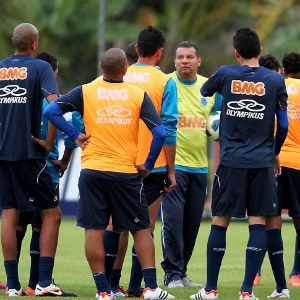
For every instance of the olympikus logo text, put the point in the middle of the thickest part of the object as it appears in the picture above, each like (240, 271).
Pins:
(248, 88)
(112, 94)
(13, 73)
(137, 77)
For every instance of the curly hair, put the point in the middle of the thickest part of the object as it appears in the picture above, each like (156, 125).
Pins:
(291, 62)
(269, 61)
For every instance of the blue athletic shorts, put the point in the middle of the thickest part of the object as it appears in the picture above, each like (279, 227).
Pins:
(26, 185)
(34, 217)
(288, 191)
(103, 194)
(154, 186)
(239, 191)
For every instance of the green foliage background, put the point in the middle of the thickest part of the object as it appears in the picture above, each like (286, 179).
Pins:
(70, 29)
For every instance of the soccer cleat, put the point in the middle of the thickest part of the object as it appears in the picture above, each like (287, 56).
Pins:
(134, 293)
(2, 285)
(294, 280)
(256, 280)
(284, 294)
(52, 290)
(105, 296)
(246, 295)
(175, 284)
(30, 291)
(15, 293)
(189, 283)
(157, 293)
(119, 292)
(203, 294)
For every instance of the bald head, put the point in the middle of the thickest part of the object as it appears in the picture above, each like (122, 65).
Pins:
(25, 37)
(113, 63)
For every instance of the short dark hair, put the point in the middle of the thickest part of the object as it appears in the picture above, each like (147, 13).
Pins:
(246, 42)
(131, 54)
(150, 39)
(270, 62)
(49, 58)
(187, 44)
(291, 62)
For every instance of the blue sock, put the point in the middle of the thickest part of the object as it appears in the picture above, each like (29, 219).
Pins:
(296, 266)
(46, 266)
(216, 246)
(149, 275)
(101, 283)
(20, 237)
(35, 259)
(111, 246)
(275, 250)
(254, 252)
(136, 275)
(11, 268)
(115, 278)
(263, 257)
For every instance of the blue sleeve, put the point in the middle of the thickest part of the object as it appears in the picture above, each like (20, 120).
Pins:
(152, 120)
(169, 112)
(213, 84)
(72, 101)
(159, 135)
(74, 119)
(281, 130)
(149, 114)
(218, 102)
(55, 115)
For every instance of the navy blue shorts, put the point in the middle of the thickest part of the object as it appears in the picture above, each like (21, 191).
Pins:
(154, 186)
(26, 185)
(288, 191)
(34, 217)
(103, 194)
(237, 191)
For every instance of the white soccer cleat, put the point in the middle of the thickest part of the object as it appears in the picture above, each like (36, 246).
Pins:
(203, 294)
(247, 296)
(105, 296)
(52, 290)
(15, 293)
(284, 294)
(158, 293)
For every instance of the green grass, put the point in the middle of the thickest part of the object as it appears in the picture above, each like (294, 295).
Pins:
(72, 272)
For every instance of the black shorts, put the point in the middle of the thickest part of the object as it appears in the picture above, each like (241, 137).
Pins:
(288, 191)
(154, 186)
(236, 191)
(103, 194)
(34, 217)
(26, 185)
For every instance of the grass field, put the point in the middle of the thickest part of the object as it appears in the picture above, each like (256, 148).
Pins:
(72, 272)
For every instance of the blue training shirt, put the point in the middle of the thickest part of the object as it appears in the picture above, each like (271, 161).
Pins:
(24, 82)
(251, 98)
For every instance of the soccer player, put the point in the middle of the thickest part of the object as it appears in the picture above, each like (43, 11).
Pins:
(288, 183)
(289, 192)
(245, 181)
(111, 258)
(57, 168)
(162, 91)
(110, 181)
(182, 208)
(25, 178)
